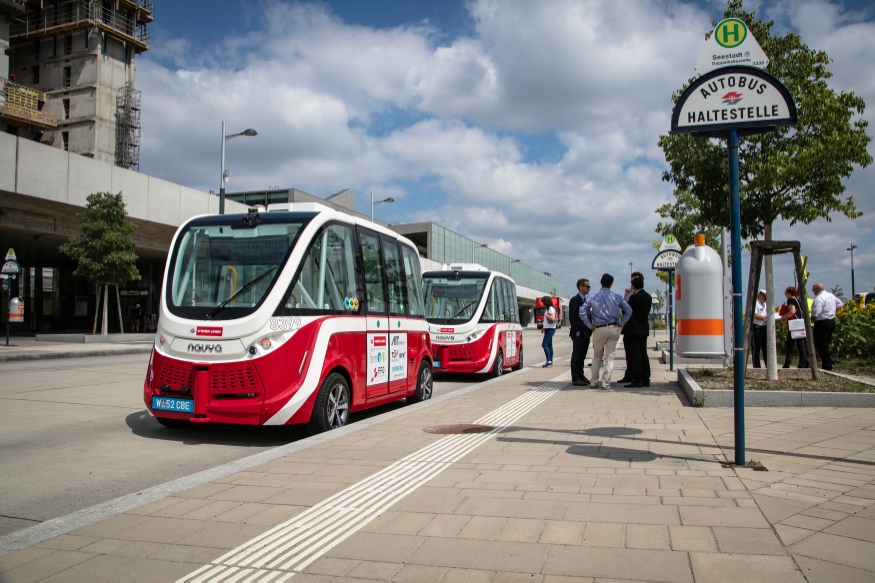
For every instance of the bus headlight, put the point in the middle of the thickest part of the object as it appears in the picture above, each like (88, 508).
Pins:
(266, 344)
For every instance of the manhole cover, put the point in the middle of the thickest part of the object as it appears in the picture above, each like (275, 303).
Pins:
(459, 428)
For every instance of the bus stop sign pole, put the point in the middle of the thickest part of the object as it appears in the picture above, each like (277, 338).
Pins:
(738, 325)
(706, 110)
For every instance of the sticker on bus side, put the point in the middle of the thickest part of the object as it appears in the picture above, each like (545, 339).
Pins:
(378, 361)
(398, 356)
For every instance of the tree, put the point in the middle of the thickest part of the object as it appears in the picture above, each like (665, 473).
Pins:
(792, 173)
(104, 250)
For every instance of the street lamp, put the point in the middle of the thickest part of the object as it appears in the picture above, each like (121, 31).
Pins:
(373, 202)
(474, 247)
(851, 249)
(630, 268)
(224, 175)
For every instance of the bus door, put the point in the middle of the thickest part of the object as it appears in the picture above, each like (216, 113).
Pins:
(398, 324)
(376, 315)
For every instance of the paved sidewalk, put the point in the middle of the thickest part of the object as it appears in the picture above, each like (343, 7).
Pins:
(624, 484)
(31, 349)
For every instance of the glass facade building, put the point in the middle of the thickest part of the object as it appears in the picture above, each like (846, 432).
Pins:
(441, 244)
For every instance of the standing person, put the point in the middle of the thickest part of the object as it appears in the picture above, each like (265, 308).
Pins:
(760, 316)
(580, 334)
(635, 334)
(549, 329)
(136, 317)
(794, 312)
(823, 312)
(627, 375)
(603, 318)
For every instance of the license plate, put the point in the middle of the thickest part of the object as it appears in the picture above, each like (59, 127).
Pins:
(437, 364)
(179, 405)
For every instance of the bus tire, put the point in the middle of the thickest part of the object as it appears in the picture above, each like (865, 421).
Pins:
(331, 409)
(424, 384)
(175, 423)
(498, 367)
(519, 364)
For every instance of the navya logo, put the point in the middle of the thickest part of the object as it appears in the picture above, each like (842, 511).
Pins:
(732, 97)
(208, 348)
(444, 337)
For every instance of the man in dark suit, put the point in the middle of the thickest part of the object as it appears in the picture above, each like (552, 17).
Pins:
(580, 334)
(635, 334)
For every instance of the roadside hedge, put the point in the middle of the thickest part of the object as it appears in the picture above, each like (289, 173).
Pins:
(854, 336)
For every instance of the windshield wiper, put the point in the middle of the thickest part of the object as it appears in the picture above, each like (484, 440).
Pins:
(221, 306)
(462, 309)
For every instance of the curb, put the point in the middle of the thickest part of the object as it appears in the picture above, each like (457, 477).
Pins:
(74, 354)
(701, 398)
(27, 537)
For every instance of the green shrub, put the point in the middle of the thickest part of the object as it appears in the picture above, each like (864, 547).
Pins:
(854, 336)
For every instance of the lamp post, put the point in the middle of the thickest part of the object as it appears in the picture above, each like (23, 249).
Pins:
(224, 176)
(630, 268)
(474, 247)
(373, 202)
(853, 290)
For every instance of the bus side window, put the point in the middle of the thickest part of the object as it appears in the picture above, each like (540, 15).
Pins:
(327, 281)
(509, 301)
(394, 277)
(414, 281)
(373, 272)
(515, 310)
(492, 307)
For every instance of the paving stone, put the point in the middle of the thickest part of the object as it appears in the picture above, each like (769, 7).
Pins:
(711, 516)
(809, 522)
(109, 569)
(45, 566)
(562, 532)
(467, 576)
(749, 541)
(738, 568)
(691, 538)
(23, 556)
(479, 554)
(625, 513)
(162, 530)
(838, 549)
(374, 570)
(647, 536)
(444, 525)
(612, 563)
(817, 571)
(513, 508)
(331, 567)
(419, 573)
(604, 534)
(381, 547)
(68, 542)
(522, 530)
(224, 535)
(854, 527)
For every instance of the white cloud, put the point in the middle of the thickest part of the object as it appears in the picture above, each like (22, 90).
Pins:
(339, 105)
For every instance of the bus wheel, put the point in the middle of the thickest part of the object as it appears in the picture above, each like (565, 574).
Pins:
(331, 409)
(498, 369)
(424, 385)
(519, 364)
(177, 423)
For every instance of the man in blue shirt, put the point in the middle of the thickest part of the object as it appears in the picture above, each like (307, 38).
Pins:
(605, 323)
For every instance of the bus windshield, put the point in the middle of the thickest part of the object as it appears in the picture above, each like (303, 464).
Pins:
(222, 268)
(450, 299)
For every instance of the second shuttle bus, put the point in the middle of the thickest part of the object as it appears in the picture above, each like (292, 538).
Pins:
(473, 319)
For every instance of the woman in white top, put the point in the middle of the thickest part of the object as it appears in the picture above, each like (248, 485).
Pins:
(549, 330)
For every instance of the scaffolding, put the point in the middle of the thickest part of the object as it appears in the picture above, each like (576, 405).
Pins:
(127, 128)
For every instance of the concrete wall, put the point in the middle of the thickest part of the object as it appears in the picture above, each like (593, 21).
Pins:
(42, 173)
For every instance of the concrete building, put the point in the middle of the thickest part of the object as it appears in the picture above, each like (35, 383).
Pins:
(79, 56)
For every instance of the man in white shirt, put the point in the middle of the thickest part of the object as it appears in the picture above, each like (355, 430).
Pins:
(760, 316)
(823, 312)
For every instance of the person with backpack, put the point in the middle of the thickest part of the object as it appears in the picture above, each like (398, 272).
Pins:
(794, 312)
(136, 318)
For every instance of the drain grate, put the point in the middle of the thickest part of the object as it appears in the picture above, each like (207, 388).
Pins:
(459, 428)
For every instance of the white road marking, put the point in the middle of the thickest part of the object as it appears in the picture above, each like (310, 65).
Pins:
(290, 547)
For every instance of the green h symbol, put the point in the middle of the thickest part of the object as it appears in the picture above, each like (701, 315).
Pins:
(727, 32)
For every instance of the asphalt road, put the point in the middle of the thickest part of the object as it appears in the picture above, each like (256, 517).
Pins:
(74, 433)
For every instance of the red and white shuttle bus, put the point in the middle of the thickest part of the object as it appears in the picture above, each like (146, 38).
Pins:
(473, 319)
(297, 314)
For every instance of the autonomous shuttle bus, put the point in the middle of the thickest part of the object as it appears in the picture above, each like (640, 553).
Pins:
(473, 320)
(294, 314)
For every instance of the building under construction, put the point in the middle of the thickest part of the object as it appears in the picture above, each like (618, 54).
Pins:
(74, 61)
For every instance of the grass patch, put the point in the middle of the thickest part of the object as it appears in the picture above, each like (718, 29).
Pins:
(789, 379)
(855, 367)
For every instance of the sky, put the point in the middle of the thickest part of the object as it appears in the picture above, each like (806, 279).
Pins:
(528, 126)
